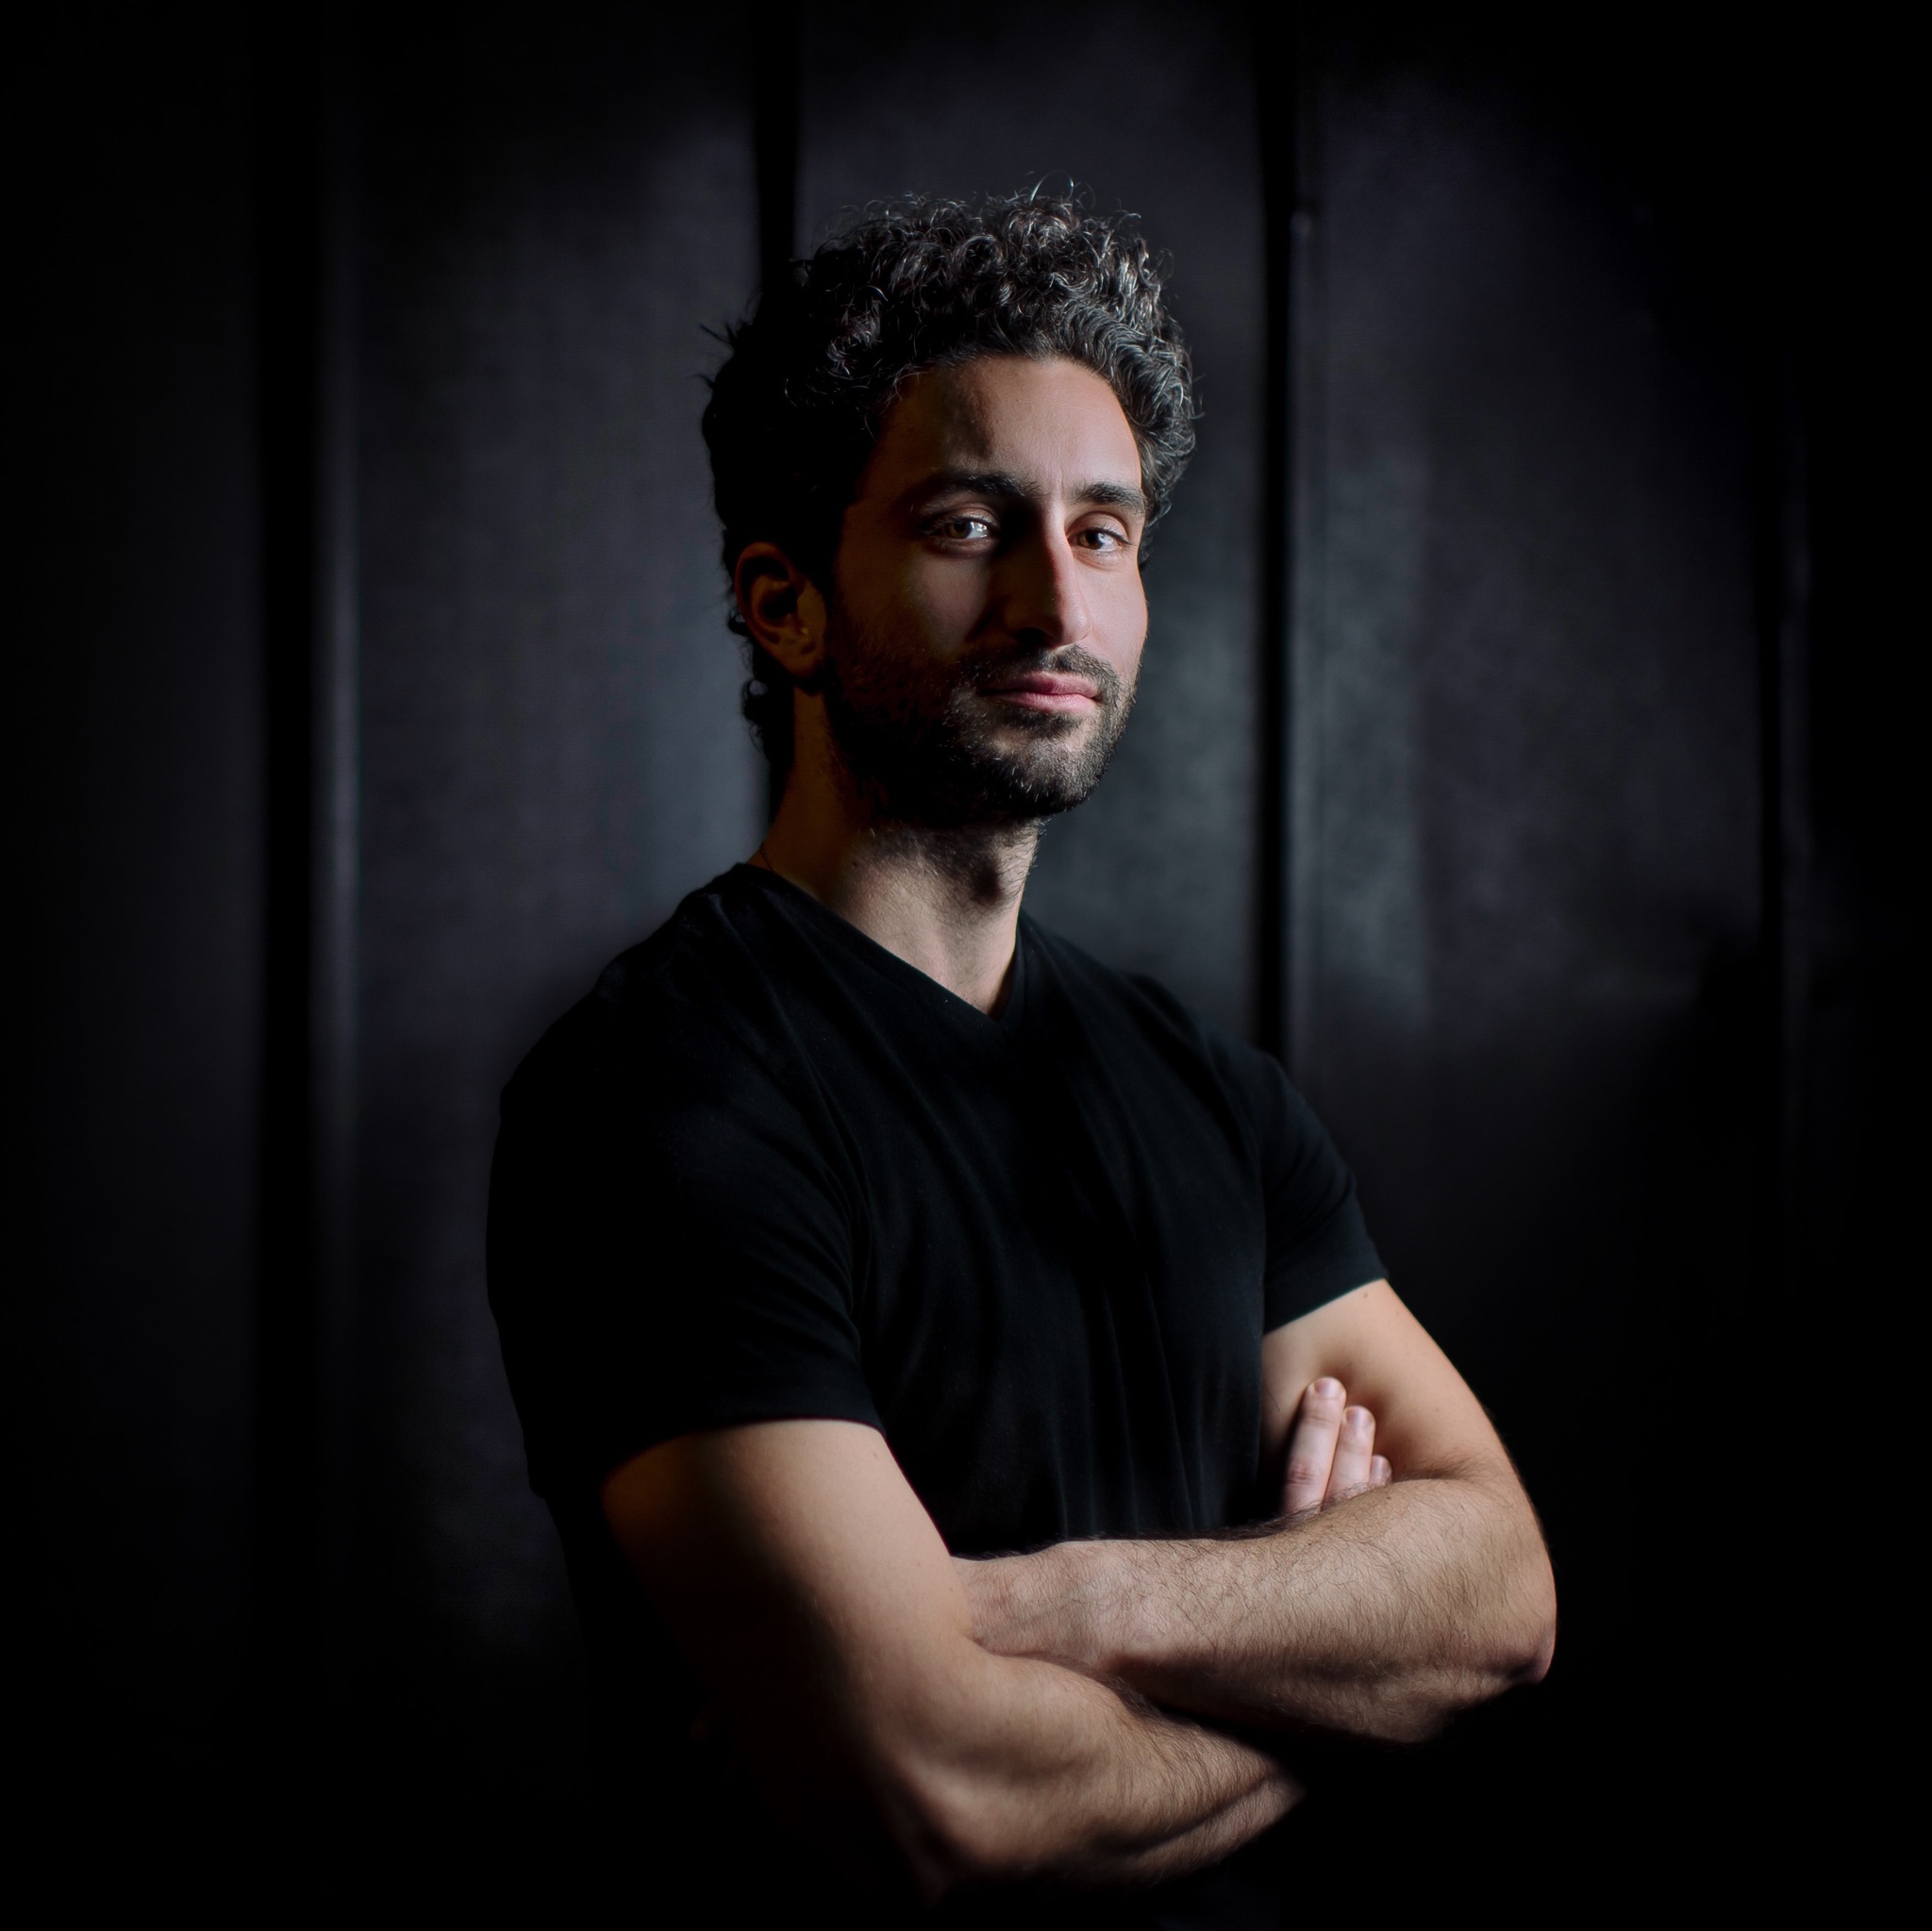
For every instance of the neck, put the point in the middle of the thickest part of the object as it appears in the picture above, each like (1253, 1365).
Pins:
(945, 900)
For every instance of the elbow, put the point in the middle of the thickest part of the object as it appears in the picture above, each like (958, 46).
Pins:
(960, 1818)
(1520, 1625)
(949, 1786)
(901, 1825)
(1542, 1652)
(1537, 1621)
(951, 1830)
(1524, 1641)
(1519, 1649)
(1500, 1634)
(1519, 1642)
(1538, 1665)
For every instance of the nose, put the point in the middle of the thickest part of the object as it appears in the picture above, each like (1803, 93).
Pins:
(1045, 599)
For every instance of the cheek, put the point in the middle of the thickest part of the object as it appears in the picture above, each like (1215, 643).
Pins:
(942, 600)
(887, 593)
(1121, 626)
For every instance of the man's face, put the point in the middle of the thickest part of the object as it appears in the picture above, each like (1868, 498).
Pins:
(987, 617)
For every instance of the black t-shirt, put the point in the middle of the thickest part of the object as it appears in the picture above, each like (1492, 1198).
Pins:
(767, 1170)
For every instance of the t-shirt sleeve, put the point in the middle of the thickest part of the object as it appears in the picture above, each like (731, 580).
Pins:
(1318, 1242)
(670, 1250)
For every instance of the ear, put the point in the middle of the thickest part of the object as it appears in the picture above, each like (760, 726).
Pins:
(782, 608)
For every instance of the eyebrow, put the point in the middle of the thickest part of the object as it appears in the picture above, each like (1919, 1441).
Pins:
(1004, 483)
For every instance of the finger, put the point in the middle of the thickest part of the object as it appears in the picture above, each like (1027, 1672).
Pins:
(1355, 1453)
(1311, 1445)
(1380, 1473)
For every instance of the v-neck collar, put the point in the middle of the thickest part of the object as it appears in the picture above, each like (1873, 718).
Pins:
(883, 960)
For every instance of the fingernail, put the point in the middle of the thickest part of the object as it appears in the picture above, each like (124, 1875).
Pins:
(1357, 1419)
(1328, 1388)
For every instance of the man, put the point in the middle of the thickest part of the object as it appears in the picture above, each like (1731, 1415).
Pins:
(856, 1232)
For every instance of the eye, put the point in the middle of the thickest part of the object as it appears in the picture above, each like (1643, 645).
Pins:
(963, 526)
(1103, 538)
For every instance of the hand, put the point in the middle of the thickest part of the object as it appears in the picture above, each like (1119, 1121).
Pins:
(1331, 1451)
(1020, 1604)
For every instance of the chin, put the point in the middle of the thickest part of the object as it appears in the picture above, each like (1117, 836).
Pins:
(1033, 787)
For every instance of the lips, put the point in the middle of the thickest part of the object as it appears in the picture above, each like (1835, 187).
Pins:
(1046, 690)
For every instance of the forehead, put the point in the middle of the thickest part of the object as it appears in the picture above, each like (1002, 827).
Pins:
(1054, 424)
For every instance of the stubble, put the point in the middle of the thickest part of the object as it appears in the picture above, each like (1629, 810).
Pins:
(930, 749)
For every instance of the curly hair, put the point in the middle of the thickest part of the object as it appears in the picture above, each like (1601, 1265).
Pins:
(913, 285)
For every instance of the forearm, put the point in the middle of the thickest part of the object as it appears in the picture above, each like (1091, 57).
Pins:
(1379, 1617)
(1027, 1768)
(815, 1601)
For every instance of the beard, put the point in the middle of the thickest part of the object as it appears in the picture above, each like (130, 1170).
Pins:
(928, 747)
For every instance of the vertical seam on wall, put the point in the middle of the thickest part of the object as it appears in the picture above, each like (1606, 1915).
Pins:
(1276, 129)
(336, 1013)
(1306, 629)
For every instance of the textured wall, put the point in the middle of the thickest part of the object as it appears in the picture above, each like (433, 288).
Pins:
(551, 755)
(1526, 899)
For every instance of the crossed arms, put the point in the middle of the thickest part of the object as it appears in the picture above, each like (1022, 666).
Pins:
(1056, 1713)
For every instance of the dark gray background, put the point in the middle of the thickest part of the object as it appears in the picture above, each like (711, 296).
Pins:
(1584, 595)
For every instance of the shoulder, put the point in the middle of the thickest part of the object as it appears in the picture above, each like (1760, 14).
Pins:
(1149, 1009)
(1131, 1020)
(669, 1082)
(696, 995)
(1074, 972)
(1276, 1129)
